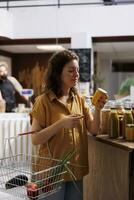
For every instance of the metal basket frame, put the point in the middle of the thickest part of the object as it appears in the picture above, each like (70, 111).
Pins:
(15, 167)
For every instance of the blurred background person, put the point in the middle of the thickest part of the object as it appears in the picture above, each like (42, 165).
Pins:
(8, 88)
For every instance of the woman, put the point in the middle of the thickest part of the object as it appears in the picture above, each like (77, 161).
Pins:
(61, 119)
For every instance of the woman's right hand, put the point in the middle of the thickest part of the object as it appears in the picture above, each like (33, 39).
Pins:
(71, 121)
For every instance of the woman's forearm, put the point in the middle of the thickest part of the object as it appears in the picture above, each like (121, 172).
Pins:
(42, 136)
(94, 124)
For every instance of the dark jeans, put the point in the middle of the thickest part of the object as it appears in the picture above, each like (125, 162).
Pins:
(68, 191)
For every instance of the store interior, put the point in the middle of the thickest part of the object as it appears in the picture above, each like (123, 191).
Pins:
(114, 64)
(110, 55)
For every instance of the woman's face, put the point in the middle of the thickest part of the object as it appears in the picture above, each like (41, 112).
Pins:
(70, 74)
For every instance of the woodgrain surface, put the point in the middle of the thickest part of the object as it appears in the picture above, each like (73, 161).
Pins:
(108, 177)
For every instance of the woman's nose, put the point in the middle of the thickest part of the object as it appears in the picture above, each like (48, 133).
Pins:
(76, 74)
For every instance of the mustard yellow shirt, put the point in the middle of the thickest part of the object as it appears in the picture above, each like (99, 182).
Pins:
(47, 110)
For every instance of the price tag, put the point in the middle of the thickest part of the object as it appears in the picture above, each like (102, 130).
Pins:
(27, 92)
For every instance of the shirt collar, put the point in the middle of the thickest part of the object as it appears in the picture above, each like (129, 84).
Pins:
(52, 96)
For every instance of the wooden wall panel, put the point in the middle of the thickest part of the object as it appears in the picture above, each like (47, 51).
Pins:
(29, 69)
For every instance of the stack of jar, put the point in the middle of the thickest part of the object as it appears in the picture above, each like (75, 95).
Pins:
(117, 120)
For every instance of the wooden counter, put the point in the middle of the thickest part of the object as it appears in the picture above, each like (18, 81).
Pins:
(111, 170)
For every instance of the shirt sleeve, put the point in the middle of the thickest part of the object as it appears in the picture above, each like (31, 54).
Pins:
(39, 111)
(18, 87)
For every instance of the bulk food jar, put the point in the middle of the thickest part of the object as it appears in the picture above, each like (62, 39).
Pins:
(121, 117)
(113, 122)
(104, 118)
(130, 132)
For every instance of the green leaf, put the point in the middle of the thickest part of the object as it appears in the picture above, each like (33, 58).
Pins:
(61, 166)
(125, 86)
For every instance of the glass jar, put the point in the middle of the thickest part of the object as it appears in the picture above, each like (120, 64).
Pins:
(113, 122)
(130, 132)
(128, 114)
(105, 112)
(121, 116)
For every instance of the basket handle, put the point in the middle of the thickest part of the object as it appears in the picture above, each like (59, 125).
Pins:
(26, 133)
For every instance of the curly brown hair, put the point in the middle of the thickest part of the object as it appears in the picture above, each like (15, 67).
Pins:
(55, 67)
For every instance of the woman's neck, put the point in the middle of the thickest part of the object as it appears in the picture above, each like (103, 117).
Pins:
(65, 91)
(64, 99)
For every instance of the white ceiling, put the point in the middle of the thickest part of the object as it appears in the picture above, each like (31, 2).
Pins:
(114, 46)
(116, 50)
(26, 48)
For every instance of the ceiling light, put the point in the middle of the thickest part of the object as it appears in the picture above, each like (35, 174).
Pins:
(50, 47)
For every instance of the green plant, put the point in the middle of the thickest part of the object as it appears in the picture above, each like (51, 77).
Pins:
(124, 89)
